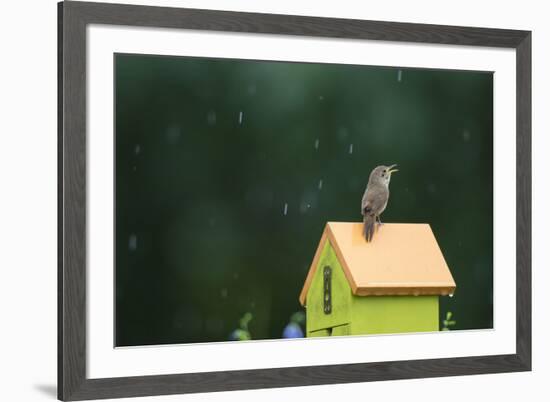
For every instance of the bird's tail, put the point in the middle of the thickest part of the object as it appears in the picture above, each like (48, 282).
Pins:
(369, 225)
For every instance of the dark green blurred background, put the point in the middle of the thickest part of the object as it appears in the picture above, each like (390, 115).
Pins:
(209, 152)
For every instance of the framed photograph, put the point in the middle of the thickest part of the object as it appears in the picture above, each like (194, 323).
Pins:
(254, 201)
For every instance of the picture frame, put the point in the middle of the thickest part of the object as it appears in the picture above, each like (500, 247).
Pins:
(73, 20)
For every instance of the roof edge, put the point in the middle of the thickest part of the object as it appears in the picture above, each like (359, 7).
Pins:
(406, 291)
(341, 259)
(313, 266)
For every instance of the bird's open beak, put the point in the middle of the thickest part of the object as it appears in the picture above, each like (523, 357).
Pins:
(392, 170)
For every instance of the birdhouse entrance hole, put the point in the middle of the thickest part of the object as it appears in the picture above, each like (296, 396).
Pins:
(327, 302)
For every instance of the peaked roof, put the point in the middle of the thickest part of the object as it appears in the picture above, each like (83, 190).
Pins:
(402, 259)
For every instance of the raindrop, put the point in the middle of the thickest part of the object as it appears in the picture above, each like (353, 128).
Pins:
(240, 117)
(134, 168)
(320, 186)
(316, 145)
(211, 118)
(350, 149)
(137, 149)
(308, 200)
(304, 207)
(224, 293)
(285, 209)
(252, 89)
(466, 135)
(132, 242)
(399, 74)
(321, 97)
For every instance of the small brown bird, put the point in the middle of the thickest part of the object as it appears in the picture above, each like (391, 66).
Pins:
(376, 198)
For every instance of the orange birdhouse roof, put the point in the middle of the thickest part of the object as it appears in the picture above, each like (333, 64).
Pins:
(401, 259)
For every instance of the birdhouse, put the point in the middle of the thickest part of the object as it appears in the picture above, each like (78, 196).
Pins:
(389, 285)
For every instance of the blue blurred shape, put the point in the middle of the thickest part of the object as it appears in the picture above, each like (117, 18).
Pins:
(293, 330)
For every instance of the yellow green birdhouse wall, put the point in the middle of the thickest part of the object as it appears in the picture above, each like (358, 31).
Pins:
(389, 285)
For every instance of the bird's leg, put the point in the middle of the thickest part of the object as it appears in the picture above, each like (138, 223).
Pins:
(379, 220)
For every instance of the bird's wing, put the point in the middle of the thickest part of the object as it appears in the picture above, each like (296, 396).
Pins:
(364, 201)
(374, 201)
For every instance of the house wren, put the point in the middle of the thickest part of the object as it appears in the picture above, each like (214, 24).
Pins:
(376, 198)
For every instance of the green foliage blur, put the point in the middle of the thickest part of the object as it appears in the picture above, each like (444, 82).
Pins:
(448, 322)
(228, 170)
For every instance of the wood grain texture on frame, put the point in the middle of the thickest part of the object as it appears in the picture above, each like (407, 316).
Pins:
(73, 17)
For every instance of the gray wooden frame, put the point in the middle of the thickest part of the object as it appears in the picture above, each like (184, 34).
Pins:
(73, 17)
